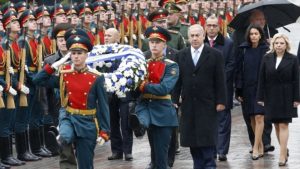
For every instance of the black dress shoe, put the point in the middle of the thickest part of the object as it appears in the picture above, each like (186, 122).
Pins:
(137, 127)
(222, 157)
(128, 157)
(150, 166)
(115, 156)
(3, 166)
(269, 148)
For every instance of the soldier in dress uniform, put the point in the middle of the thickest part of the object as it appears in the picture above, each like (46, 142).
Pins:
(99, 16)
(82, 92)
(21, 7)
(43, 20)
(86, 16)
(52, 95)
(34, 113)
(159, 18)
(72, 15)
(155, 110)
(12, 26)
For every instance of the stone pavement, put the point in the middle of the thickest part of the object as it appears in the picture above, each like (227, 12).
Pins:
(238, 157)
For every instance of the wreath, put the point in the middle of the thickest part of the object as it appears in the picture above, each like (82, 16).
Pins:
(124, 67)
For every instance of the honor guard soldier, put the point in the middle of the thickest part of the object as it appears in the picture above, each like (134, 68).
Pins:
(13, 54)
(8, 7)
(21, 7)
(5, 116)
(52, 101)
(155, 110)
(86, 16)
(159, 18)
(43, 20)
(100, 17)
(72, 15)
(174, 22)
(83, 99)
(34, 113)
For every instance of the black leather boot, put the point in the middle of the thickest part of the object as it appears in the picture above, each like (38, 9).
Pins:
(6, 152)
(3, 166)
(28, 147)
(22, 149)
(35, 143)
(43, 137)
(49, 145)
(138, 129)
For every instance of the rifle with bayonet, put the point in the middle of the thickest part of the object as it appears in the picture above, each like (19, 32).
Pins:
(121, 21)
(131, 31)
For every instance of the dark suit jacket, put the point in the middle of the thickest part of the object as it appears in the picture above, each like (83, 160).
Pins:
(225, 46)
(201, 87)
(170, 53)
(298, 54)
(279, 88)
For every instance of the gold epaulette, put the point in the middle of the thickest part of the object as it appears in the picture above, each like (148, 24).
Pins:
(94, 71)
(169, 61)
(173, 31)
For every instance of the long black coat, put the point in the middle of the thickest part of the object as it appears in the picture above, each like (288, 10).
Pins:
(201, 87)
(279, 88)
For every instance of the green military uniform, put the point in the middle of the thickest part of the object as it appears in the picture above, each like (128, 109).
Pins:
(177, 41)
(182, 28)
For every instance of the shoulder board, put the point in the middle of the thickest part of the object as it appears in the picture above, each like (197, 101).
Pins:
(173, 31)
(169, 61)
(185, 24)
(94, 71)
(49, 55)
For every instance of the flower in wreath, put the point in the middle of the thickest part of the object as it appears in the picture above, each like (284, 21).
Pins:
(127, 69)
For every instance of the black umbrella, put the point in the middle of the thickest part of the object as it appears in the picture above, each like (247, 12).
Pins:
(278, 13)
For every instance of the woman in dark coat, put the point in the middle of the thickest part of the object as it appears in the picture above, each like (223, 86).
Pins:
(251, 54)
(278, 89)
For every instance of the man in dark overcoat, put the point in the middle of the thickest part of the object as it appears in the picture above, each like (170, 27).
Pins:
(216, 40)
(202, 88)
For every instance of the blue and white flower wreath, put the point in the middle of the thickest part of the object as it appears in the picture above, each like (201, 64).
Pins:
(130, 72)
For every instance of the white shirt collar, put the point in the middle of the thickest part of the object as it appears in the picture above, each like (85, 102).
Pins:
(199, 49)
(212, 38)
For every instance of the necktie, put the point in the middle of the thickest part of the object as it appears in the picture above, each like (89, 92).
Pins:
(211, 42)
(196, 57)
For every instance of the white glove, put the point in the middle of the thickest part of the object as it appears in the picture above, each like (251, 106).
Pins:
(12, 91)
(125, 39)
(56, 64)
(133, 37)
(24, 89)
(11, 70)
(100, 141)
(142, 36)
(1, 89)
(26, 68)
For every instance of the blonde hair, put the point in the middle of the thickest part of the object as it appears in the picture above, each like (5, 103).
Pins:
(283, 36)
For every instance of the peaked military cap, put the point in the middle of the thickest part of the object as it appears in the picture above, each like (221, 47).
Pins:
(42, 11)
(8, 6)
(21, 6)
(85, 7)
(162, 3)
(158, 14)
(79, 43)
(156, 32)
(9, 17)
(181, 1)
(111, 5)
(26, 16)
(71, 9)
(57, 10)
(99, 6)
(60, 29)
(76, 31)
(172, 8)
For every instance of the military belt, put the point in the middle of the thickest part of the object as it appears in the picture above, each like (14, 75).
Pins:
(32, 68)
(152, 96)
(87, 112)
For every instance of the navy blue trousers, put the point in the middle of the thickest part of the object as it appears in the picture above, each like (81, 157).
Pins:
(203, 157)
(121, 134)
(224, 131)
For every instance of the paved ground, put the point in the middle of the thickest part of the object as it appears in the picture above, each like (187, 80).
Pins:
(238, 157)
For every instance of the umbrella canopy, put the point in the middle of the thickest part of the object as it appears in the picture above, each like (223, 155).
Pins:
(278, 13)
